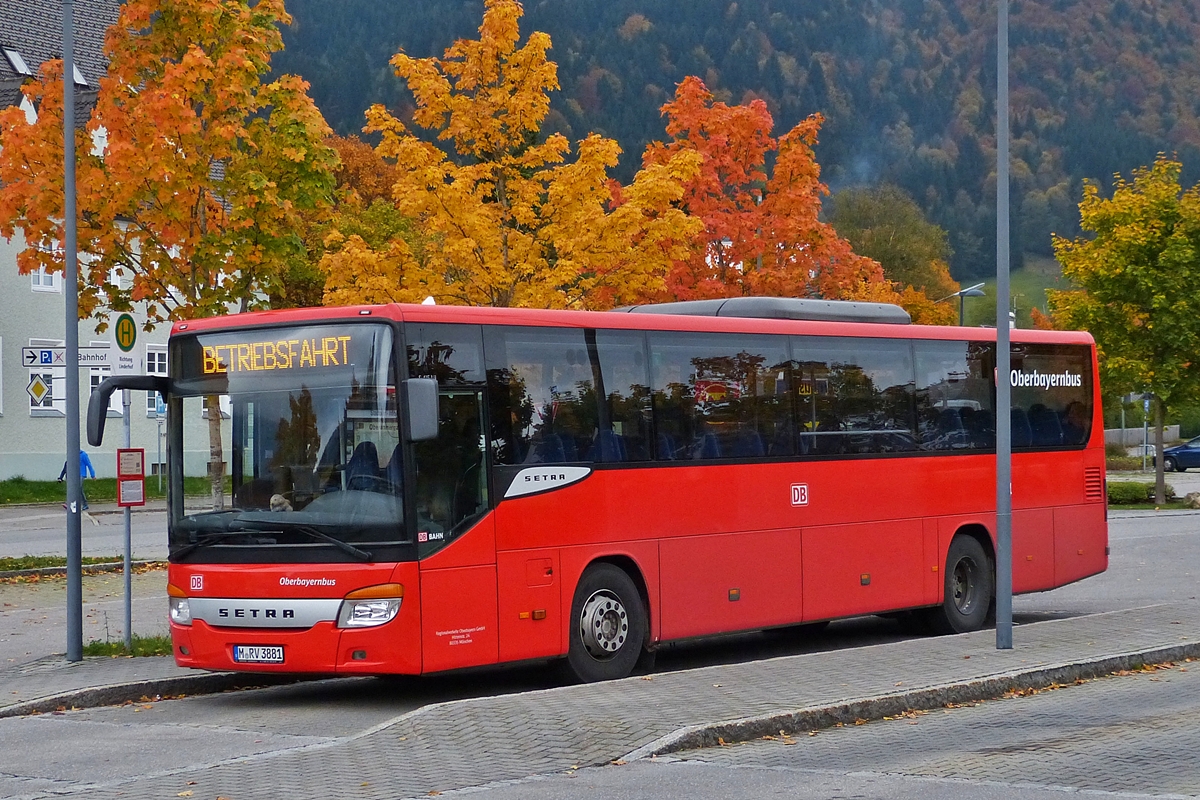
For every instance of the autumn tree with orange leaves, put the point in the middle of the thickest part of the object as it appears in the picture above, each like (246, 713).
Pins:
(192, 197)
(192, 191)
(762, 232)
(506, 219)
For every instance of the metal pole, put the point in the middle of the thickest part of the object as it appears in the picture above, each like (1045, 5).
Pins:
(71, 288)
(1003, 360)
(962, 309)
(128, 566)
(160, 461)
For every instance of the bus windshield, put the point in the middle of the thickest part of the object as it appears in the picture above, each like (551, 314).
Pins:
(294, 436)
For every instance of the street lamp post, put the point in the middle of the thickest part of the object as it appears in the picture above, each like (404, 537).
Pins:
(962, 295)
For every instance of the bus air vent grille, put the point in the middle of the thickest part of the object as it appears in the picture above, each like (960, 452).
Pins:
(1093, 484)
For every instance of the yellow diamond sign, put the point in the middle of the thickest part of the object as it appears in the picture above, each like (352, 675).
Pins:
(38, 389)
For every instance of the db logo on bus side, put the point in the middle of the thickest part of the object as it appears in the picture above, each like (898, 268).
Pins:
(799, 494)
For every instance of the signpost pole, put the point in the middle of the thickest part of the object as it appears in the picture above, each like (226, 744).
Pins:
(1004, 639)
(71, 292)
(128, 566)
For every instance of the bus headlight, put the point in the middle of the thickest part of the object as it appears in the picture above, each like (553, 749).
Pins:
(181, 613)
(374, 605)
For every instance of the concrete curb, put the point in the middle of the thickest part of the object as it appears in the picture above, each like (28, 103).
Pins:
(874, 708)
(108, 566)
(132, 691)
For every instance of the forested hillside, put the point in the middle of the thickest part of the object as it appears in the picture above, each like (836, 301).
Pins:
(906, 86)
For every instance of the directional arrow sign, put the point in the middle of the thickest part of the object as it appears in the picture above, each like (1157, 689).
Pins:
(38, 357)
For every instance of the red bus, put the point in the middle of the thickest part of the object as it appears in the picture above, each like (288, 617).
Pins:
(410, 489)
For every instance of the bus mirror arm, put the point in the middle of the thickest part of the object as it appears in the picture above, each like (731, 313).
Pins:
(421, 401)
(98, 403)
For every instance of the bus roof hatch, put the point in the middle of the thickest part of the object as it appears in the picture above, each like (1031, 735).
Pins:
(781, 308)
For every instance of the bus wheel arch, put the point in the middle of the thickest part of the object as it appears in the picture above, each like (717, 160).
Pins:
(968, 583)
(609, 623)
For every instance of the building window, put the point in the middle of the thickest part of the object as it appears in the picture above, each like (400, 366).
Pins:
(52, 372)
(226, 406)
(156, 364)
(42, 281)
(115, 401)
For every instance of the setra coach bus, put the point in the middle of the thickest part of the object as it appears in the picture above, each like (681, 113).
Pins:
(413, 488)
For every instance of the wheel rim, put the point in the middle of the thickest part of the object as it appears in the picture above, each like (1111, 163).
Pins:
(966, 585)
(603, 624)
(1169, 465)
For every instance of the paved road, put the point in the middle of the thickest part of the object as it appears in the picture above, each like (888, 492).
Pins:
(42, 531)
(1136, 735)
(1154, 559)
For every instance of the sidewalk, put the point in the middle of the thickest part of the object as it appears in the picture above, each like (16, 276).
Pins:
(468, 742)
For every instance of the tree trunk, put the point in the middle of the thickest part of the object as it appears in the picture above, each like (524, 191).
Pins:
(216, 460)
(1160, 483)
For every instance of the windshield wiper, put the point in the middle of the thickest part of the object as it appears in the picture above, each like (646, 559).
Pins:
(214, 538)
(345, 547)
(308, 530)
(209, 540)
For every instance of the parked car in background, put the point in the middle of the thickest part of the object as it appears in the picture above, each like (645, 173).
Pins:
(1182, 456)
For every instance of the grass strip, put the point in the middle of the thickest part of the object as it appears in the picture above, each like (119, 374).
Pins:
(13, 563)
(142, 646)
(98, 490)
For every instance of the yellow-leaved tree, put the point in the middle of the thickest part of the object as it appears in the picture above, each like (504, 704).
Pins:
(505, 219)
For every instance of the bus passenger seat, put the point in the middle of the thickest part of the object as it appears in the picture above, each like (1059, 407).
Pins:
(1047, 430)
(666, 447)
(608, 446)
(394, 472)
(546, 450)
(707, 446)
(748, 444)
(1022, 434)
(362, 470)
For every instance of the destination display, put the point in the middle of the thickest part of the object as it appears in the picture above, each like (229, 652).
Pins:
(282, 354)
(309, 355)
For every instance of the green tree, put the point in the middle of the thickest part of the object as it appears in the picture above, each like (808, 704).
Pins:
(885, 224)
(1138, 266)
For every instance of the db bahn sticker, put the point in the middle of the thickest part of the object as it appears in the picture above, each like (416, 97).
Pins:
(799, 494)
(197, 583)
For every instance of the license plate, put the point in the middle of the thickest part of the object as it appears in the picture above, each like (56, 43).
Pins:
(257, 654)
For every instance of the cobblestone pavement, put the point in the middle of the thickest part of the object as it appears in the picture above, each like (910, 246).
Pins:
(33, 617)
(1135, 733)
(472, 742)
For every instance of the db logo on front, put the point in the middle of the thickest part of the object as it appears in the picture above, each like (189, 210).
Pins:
(799, 494)
(197, 583)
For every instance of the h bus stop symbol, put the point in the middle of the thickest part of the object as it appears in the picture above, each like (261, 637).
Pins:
(799, 494)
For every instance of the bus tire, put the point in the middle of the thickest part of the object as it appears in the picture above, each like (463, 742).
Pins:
(607, 626)
(969, 586)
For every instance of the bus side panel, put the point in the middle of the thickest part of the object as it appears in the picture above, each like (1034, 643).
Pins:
(1032, 549)
(932, 568)
(458, 617)
(530, 604)
(730, 582)
(1080, 541)
(862, 569)
(394, 647)
(469, 549)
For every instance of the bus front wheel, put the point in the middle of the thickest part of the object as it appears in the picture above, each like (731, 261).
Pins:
(969, 586)
(607, 627)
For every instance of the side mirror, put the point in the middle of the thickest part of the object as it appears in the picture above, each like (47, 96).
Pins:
(97, 411)
(421, 402)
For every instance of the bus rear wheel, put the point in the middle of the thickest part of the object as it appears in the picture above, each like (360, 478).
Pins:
(607, 626)
(969, 586)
